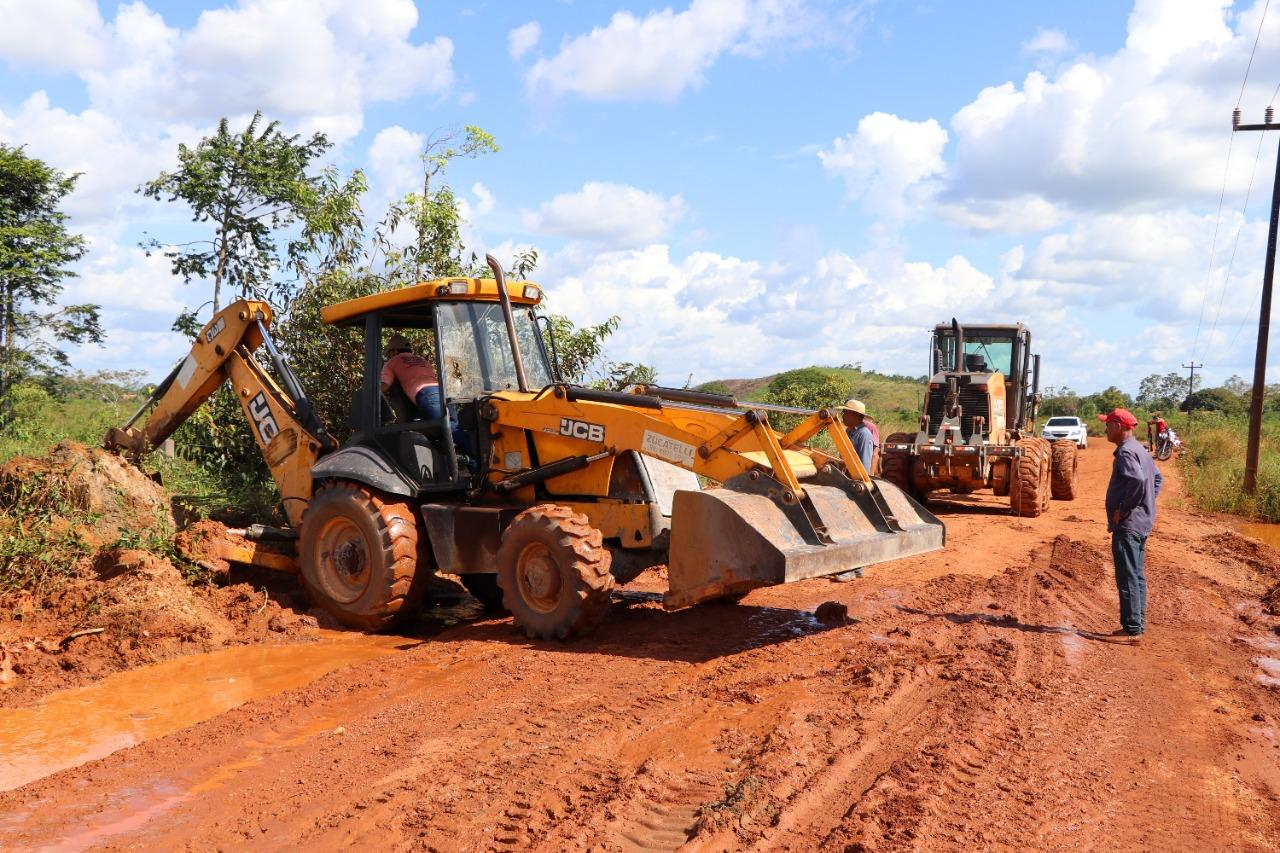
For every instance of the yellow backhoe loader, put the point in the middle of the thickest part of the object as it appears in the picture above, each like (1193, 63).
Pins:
(572, 490)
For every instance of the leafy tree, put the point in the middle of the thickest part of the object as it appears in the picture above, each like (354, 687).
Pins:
(1217, 400)
(35, 250)
(715, 387)
(1111, 398)
(1164, 391)
(806, 388)
(1238, 385)
(432, 215)
(248, 185)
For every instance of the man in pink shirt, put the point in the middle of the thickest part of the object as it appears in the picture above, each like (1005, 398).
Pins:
(419, 381)
(415, 374)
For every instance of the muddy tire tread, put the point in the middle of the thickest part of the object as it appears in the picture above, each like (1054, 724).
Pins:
(895, 467)
(568, 532)
(1029, 492)
(1065, 472)
(397, 529)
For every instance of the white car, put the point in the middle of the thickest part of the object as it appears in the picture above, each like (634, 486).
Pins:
(1056, 429)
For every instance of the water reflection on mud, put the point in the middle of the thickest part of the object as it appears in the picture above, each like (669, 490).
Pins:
(75, 726)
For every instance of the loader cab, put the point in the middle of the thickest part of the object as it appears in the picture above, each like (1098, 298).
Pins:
(459, 326)
(972, 351)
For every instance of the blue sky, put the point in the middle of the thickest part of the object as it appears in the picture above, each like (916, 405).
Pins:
(753, 185)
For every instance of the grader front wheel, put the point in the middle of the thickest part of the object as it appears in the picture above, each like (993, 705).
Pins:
(553, 570)
(1065, 476)
(359, 556)
(1029, 491)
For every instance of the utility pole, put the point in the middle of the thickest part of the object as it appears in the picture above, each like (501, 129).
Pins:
(1264, 313)
(1191, 389)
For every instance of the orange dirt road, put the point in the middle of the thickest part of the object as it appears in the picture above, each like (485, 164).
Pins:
(976, 703)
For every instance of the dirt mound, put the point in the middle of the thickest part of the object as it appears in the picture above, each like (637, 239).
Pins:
(74, 481)
(128, 608)
(1244, 549)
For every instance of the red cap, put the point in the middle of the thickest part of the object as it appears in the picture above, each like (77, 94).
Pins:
(1124, 417)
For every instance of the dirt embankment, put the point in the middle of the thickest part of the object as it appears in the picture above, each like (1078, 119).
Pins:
(967, 699)
(94, 580)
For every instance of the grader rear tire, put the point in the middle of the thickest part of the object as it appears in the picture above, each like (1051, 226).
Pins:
(1029, 491)
(359, 555)
(1065, 475)
(896, 467)
(553, 570)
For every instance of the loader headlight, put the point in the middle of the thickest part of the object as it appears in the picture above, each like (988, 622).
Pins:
(457, 287)
(532, 291)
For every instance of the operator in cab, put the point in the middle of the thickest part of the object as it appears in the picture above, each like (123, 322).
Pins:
(416, 375)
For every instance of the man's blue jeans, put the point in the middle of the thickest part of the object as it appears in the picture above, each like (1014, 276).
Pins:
(428, 402)
(1129, 550)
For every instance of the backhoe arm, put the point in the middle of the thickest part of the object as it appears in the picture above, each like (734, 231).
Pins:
(287, 432)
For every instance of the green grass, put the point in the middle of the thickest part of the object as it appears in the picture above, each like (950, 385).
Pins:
(1213, 472)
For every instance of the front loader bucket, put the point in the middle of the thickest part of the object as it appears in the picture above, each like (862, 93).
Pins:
(724, 540)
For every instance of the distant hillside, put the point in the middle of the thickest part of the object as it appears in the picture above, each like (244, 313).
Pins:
(893, 401)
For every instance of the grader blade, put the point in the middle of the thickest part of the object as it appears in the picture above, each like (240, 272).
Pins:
(726, 540)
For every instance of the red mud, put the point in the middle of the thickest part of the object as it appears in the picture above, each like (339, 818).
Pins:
(974, 700)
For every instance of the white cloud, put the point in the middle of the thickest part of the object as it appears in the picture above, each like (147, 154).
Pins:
(289, 58)
(112, 158)
(395, 163)
(1048, 41)
(611, 214)
(665, 53)
(887, 162)
(59, 35)
(523, 39)
(1140, 129)
(484, 198)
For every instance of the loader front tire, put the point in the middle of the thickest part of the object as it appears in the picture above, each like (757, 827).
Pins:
(1065, 476)
(359, 555)
(1029, 491)
(553, 570)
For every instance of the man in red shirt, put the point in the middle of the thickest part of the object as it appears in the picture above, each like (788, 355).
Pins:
(1156, 424)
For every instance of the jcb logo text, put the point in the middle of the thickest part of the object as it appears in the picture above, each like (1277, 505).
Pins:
(581, 429)
(262, 418)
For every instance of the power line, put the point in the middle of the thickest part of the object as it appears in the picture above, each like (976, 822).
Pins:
(1226, 172)
(1257, 290)
(1235, 246)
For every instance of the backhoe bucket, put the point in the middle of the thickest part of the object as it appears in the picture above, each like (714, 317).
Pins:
(725, 540)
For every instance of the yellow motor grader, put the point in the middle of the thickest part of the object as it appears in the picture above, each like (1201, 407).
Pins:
(572, 490)
(977, 429)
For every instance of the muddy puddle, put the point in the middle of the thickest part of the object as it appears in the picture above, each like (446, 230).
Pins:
(74, 726)
(1268, 533)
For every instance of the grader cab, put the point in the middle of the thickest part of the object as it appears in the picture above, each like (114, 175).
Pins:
(977, 430)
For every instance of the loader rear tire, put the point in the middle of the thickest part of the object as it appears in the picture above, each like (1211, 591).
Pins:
(553, 570)
(359, 555)
(1029, 491)
(1065, 476)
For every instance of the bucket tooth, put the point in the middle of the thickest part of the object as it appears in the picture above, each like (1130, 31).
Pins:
(724, 540)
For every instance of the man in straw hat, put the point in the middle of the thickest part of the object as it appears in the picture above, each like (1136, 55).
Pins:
(856, 424)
